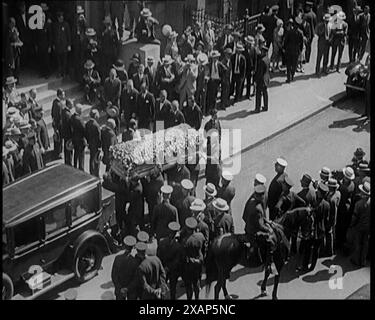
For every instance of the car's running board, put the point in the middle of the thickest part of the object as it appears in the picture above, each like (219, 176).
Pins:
(56, 280)
(354, 87)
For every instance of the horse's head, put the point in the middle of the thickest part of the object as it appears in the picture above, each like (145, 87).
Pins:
(299, 218)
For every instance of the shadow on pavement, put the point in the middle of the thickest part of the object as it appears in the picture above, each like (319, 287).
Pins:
(237, 115)
(360, 124)
(242, 272)
(343, 262)
(322, 275)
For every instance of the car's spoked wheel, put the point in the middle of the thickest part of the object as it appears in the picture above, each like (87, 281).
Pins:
(8, 289)
(88, 261)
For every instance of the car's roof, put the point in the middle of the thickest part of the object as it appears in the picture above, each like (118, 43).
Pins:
(24, 198)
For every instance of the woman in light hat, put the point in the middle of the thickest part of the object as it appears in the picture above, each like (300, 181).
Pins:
(277, 45)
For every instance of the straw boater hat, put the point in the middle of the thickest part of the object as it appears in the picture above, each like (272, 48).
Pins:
(10, 80)
(174, 226)
(146, 12)
(363, 167)
(191, 222)
(89, 64)
(298, 20)
(325, 172)
(323, 187)
(189, 58)
(141, 246)
(143, 236)
(220, 204)
(260, 178)
(166, 189)
(210, 189)
(240, 47)
(249, 39)
(136, 57)
(202, 58)
(10, 146)
(119, 65)
(348, 173)
(12, 111)
(130, 241)
(187, 184)
(197, 205)
(113, 111)
(90, 32)
(332, 183)
(215, 54)
(365, 188)
(282, 162)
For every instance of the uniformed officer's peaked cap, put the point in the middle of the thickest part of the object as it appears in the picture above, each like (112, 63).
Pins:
(282, 162)
(130, 241)
(141, 246)
(191, 222)
(260, 178)
(166, 189)
(174, 226)
(187, 184)
(260, 189)
(143, 236)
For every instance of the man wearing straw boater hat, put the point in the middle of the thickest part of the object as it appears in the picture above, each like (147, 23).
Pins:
(360, 225)
(238, 62)
(167, 75)
(94, 141)
(91, 79)
(170, 252)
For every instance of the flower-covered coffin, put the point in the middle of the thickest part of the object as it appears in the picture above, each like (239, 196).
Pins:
(162, 148)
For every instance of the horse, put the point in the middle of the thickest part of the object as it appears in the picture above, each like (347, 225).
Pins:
(227, 250)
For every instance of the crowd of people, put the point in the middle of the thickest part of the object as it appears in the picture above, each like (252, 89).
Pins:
(184, 225)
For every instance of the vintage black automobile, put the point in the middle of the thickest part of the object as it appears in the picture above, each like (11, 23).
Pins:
(54, 229)
(357, 73)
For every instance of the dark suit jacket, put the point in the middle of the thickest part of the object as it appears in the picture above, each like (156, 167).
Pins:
(78, 131)
(220, 43)
(227, 193)
(163, 214)
(151, 74)
(251, 60)
(178, 118)
(308, 195)
(66, 126)
(293, 42)
(193, 117)
(262, 73)
(146, 107)
(56, 113)
(275, 189)
(128, 102)
(242, 65)
(42, 134)
(112, 91)
(138, 81)
(23, 28)
(225, 222)
(45, 37)
(108, 139)
(165, 114)
(32, 159)
(62, 37)
(93, 134)
(95, 76)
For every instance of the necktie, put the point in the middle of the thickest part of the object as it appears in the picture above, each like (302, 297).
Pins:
(236, 69)
(215, 67)
(327, 34)
(226, 40)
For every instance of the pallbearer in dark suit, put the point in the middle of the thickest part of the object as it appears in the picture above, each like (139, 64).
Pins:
(121, 72)
(108, 139)
(251, 60)
(57, 107)
(215, 73)
(145, 109)
(32, 157)
(164, 112)
(238, 72)
(62, 43)
(78, 138)
(66, 130)
(293, 44)
(108, 45)
(112, 89)
(193, 114)
(140, 78)
(202, 78)
(178, 116)
(262, 79)
(94, 141)
(225, 78)
(128, 100)
(41, 131)
(275, 189)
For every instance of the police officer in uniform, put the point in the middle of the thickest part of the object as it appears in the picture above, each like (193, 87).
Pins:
(193, 244)
(275, 189)
(170, 252)
(124, 267)
(163, 214)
